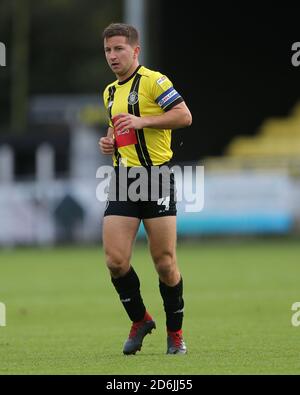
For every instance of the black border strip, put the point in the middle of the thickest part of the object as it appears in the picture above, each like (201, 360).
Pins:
(134, 110)
(111, 91)
(141, 147)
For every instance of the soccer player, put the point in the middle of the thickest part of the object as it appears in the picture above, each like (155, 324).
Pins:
(143, 107)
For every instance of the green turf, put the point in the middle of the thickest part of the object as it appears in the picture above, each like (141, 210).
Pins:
(63, 316)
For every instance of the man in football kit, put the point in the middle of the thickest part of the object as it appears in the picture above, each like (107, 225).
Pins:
(143, 107)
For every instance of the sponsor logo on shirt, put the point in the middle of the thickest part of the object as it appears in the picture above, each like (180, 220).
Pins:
(161, 80)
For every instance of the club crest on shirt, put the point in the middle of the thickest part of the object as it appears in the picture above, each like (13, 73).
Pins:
(133, 98)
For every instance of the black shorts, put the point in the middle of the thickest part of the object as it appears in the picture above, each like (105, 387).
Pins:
(142, 192)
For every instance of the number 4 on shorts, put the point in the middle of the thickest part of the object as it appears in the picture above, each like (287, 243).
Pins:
(164, 202)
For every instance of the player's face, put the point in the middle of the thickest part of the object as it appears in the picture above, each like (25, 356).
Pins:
(121, 57)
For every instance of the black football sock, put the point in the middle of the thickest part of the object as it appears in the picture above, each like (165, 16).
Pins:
(128, 288)
(173, 304)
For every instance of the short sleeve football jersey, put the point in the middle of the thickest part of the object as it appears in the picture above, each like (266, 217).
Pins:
(145, 93)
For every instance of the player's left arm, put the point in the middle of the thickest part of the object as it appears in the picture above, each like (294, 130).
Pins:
(175, 113)
(177, 117)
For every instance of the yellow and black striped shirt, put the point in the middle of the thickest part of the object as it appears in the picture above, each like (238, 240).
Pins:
(144, 93)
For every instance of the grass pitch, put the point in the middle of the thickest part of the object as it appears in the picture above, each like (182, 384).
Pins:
(64, 317)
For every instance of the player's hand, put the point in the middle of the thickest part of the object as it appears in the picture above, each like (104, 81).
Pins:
(128, 121)
(107, 146)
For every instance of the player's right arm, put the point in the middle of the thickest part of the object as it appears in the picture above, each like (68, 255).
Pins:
(106, 144)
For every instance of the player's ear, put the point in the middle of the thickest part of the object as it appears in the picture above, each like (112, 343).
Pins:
(137, 51)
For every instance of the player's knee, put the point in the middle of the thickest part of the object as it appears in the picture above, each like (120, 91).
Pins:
(165, 263)
(116, 263)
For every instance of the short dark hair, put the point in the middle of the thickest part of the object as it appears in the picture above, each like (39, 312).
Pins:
(122, 29)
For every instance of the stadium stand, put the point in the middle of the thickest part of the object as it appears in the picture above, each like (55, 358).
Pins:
(275, 146)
